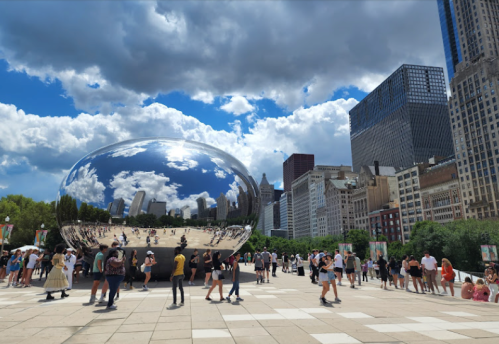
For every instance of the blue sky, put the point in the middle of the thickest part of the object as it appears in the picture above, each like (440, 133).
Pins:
(243, 78)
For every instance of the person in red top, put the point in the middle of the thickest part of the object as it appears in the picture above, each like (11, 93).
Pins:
(448, 276)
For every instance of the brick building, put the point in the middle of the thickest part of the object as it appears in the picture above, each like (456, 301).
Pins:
(387, 221)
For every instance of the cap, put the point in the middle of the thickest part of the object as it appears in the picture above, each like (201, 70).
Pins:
(150, 252)
(69, 249)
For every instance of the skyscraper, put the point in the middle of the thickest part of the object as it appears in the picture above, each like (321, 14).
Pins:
(137, 203)
(117, 208)
(450, 36)
(222, 209)
(156, 208)
(296, 166)
(405, 120)
(266, 195)
(185, 212)
(473, 107)
(203, 211)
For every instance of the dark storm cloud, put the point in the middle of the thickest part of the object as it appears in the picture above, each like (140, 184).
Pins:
(222, 47)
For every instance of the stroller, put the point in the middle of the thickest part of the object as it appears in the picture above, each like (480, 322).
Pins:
(294, 268)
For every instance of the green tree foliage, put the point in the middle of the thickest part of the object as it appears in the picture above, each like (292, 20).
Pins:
(360, 242)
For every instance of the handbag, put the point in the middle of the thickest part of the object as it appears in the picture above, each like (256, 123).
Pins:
(221, 275)
(142, 267)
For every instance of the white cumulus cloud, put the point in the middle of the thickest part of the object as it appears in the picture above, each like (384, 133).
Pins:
(85, 185)
(238, 105)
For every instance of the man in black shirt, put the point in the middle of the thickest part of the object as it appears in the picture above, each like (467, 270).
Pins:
(3, 264)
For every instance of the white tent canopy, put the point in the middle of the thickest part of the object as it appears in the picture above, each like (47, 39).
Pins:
(27, 247)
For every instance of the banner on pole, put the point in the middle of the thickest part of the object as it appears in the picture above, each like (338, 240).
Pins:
(344, 248)
(5, 232)
(377, 249)
(40, 237)
(489, 253)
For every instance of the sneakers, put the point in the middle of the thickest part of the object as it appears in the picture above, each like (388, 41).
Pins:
(337, 299)
(352, 286)
(443, 293)
(112, 307)
(93, 298)
(323, 300)
(131, 288)
(172, 306)
(408, 290)
(144, 288)
(189, 282)
(228, 298)
(339, 283)
(239, 299)
(181, 304)
(268, 281)
(192, 283)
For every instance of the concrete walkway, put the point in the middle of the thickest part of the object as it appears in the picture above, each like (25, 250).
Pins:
(286, 310)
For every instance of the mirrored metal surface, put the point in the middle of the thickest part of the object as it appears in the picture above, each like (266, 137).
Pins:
(156, 194)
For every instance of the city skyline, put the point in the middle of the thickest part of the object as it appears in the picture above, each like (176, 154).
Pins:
(261, 120)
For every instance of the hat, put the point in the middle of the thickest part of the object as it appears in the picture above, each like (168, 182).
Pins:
(150, 252)
(69, 249)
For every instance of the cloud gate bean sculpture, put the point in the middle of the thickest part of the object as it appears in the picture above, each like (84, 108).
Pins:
(155, 194)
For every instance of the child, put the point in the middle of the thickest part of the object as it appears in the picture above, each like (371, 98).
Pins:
(425, 284)
(235, 278)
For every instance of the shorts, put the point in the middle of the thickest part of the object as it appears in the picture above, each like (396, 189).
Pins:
(215, 275)
(207, 270)
(267, 266)
(257, 268)
(193, 266)
(340, 270)
(98, 276)
(350, 271)
(331, 275)
(147, 269)
(395, 272)
(401, 276)
(451, 281)
(323, 277)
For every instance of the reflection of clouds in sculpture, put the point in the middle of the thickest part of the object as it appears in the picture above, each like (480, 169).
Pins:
(85, 186)
(233, 191)
(222, 165)
(220, 174)
(204, 171)
(184, 166)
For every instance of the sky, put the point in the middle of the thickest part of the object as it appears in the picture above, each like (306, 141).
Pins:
(260, 80)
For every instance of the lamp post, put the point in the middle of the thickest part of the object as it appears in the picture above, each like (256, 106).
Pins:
(7, 219)
(344, 232)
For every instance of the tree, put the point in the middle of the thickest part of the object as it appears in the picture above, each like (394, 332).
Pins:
(359, 239)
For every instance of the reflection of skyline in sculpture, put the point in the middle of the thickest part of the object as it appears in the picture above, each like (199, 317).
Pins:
(185, 212)
(156, 208)
(203, 212)
(117, 208)
(222, 207)
(137, 203)
(266, 196)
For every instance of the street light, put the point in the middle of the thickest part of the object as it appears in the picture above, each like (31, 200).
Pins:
(42, 226)
(344, 232)
(7, 219)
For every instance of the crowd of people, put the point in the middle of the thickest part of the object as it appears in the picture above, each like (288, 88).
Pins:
(110, 267)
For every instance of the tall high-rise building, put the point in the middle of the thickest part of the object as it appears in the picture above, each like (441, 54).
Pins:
(405, 120)
(137, 203)
(450, 35)
(156, 208)
(222, 209)
(473, 106)
(185, 212)
(286, 213)
(117, 208)
(266, 196)
(203, 211)
(296, 166)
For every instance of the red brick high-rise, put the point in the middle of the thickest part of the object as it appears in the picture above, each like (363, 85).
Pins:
(296, 166)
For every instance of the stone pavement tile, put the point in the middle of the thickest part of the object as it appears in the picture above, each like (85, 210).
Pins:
(318, 329)
(136, 328)
(248, 332)
(285, 331)
(172, 341)
(200, 325)
(213, 341)
(134, 337)
(335, 338)
(8, 324)
(237, 317)
(89, 338)
(419, 327)
(444, 335)
(427, 320)
(210, 333)
(62, 331)
(173, 326)
(142, 318)
(172, 334)
(364, 337)
(346, 325)
(56, 339)
(20, 332)
(174, 319)
(98, 329)
(482, 341)
(408, 336)
(105, 314)
(276, 323)
(256, 340)
(302, 339)
(106, 322)
(243, 324)
(477, 333)
(459, 314)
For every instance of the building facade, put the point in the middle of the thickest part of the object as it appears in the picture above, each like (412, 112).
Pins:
(266, 196)
(117, 208)
(405, 120)
(387, 223)
(185, 212)
(441, 193)
(222, 207)
(295, 166)
(339, 207)
(136, 206)
(272, 218)
(450, 36)
(156, 208)
(286, 213)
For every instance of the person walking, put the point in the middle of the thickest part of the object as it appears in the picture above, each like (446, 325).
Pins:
(69, 262)
(148, 262)
(78, 266)
(235, 279)
(267, 259)
(245, 258)
(394, 270)
(370, 267)
(448, 276)
(383, 272)
(193, 265)
(314, 266)
(217, 276)
(376, 269)
(132, 270)
(24, 267)
(299, 265)
(415, 271)
(274, 263)
(45, 264)
(98, 275)
(338, 266)
(177, 276)
(208, 265)
(4, 261)
(33, 258)
(57, 279)
(258, 260)
(365, 269)
(350, 268)
(492, 281)
(358, 267)
(114, 270)
(285, 262)
(324, 278)
(429, 266)
(332, 275)
(15, 263)
(249, 258)
(405, 270)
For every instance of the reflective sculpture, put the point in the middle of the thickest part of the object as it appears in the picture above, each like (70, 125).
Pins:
(156, 194)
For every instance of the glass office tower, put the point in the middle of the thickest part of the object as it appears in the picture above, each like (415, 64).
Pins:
(449, 35)
(405, 120)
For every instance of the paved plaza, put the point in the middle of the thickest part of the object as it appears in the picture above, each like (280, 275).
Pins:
(286, 311)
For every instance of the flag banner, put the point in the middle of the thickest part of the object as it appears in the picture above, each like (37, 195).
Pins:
(489, 253)
(344, 248)
(40, 237)
(377, 249)
(5, 232)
